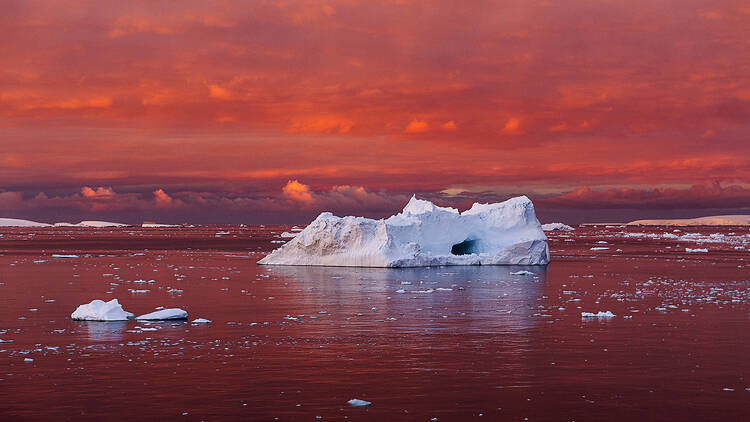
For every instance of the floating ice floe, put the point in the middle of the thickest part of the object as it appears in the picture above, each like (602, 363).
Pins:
(64, 256)
(164, 314)
(423, 234)
(359, 403)
(600, 314)
(288, 235)
(201, 321)
(557, 226)
(703, 250)
(522, 272)
(99, 310)
(157, 225)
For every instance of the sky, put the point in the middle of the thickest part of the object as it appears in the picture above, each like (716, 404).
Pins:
(273, 111)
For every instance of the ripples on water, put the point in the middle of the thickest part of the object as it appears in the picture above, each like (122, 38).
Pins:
(453, 343)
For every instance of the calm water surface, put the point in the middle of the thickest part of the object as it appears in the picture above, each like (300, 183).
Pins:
(452, 343)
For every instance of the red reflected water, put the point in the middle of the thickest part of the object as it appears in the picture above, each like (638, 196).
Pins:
(296, 343)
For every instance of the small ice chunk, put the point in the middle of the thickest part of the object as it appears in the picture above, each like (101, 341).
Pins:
(704, 250)
(557, 226)
(600, 314)
(522, 272)
(359, 403)
(201, 321)
(28, 360)
(64, 256)
(164, 314)
(599, 248)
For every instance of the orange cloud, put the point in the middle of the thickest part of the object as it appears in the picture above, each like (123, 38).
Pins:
(100, 192)
(298, 192)
(449, 125)
(162, 199)
(512, 127)
(215, 91)
(417, 126)
(324, 124)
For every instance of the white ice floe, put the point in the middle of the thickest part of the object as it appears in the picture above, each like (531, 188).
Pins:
(359, 403)
(201, 321)
(93, 223)
(164, 314)
(288, 235)
(15, 222)
(716, 220)
(703, 250)
(600, 314)
(423, 234)
(557, 226)
(64, 256)
(522, 272)
(599, 248)
(157, 225)
(99, 310)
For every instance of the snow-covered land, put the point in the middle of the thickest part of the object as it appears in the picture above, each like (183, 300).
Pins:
(287, 235)
(164, 314)
(423, 234)
(15, 222)
(99, 310)
(717, 220)
(557, 226)
(92, 223)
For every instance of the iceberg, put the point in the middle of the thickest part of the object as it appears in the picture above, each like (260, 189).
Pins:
(99, 310)
(92, 223)
(15, 222)
(557, 226)
(164, 314)
(359, 403)
(150, 225)
(201, 321)
(100, 224)
(714, 220)
(422, 235)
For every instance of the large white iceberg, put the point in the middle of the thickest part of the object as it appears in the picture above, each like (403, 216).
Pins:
(99, 310)
(423, 234)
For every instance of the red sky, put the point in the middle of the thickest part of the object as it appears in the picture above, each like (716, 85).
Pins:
(275, 110)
